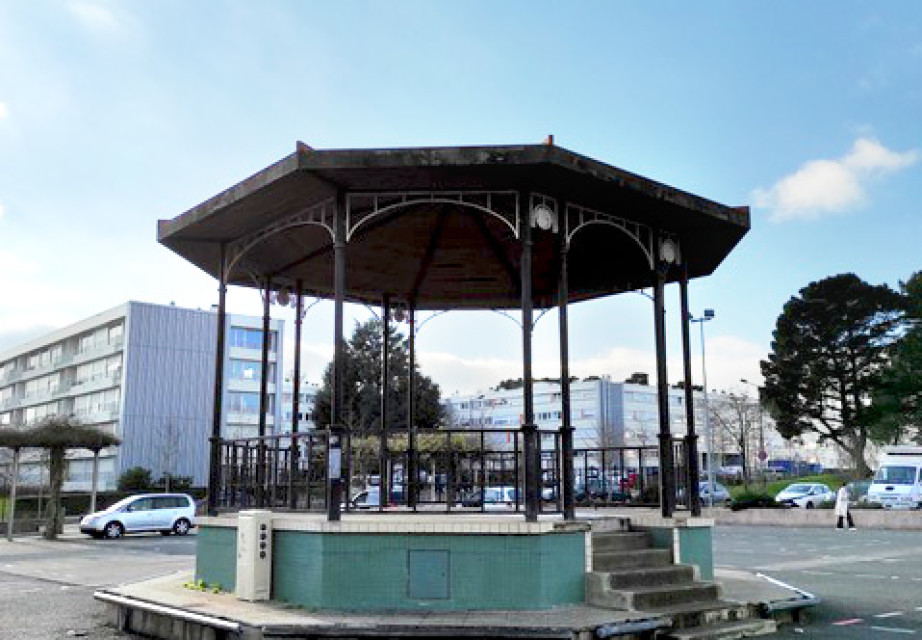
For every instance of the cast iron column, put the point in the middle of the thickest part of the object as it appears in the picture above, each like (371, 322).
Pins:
(214, 463)
(531, 448)
(263, 401)
(334, 446)
(566, 429)
(412, 471)
(383, 475)
(691, 438)
(666, 465)
(295, 397)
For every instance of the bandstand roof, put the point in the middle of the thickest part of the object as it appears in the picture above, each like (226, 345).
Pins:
(442, 227)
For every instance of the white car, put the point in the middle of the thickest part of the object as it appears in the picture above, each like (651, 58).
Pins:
(164, 512)
(808, 495)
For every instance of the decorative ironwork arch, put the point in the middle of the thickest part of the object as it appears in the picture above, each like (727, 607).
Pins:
(641, 234)
(320, 214)
(361, 208)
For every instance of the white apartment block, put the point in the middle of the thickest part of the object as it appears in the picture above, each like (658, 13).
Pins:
(605, 414)
(144, 373)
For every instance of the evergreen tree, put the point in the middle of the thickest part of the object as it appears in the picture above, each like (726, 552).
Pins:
(896, 411)
(362, 385)
(830, 346)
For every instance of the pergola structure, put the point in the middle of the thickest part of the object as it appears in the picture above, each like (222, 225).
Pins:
(488, 227)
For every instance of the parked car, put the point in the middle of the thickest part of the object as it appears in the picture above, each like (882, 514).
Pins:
(164, 512)
(721, 494)
(492, 498)
(808, 495)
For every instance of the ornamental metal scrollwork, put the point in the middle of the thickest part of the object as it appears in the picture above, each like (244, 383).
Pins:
(363, 207)
(320, 214)
(640, 233)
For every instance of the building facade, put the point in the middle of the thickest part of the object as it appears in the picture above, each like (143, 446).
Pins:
(619, 414)
(144, 373)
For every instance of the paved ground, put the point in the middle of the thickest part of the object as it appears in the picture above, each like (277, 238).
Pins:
(870, 581)
(46, 588)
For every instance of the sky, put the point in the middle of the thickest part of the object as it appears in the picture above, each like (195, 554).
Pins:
(114, 115)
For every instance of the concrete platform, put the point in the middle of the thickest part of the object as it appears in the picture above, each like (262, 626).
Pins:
(165, 608)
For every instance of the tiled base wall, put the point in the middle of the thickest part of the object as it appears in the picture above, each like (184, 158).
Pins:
(407, 571)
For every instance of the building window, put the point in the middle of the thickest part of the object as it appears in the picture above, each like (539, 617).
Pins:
(248, 403)
(248, 370)
(244, 338)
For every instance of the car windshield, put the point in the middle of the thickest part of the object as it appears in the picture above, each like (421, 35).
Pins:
(798, 489)
(121, 503)
(896, 475)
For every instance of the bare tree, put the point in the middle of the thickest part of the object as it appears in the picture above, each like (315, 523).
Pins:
(735, 418)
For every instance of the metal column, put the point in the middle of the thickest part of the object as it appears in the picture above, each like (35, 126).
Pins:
(383, 473)
(691, 437)
(532, 445)
(263, 400)
(412, 472)
(566, 429)
(214, 462)
(335, 444)
(666, 460)
(295, 398)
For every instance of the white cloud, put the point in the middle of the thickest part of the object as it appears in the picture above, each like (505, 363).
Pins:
(95, 16)
(828, 187)
(4, 111)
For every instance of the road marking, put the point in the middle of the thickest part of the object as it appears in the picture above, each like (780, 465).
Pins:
(918, 608)
(893, 630)
(818, 573)
(869, 575)
(842, 623)
(888, 615)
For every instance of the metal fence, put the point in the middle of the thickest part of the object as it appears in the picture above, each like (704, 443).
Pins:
(458, 470)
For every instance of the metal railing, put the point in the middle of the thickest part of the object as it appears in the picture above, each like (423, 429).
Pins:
(458, 470)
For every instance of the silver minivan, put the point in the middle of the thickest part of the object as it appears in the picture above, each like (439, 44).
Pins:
(164, 512)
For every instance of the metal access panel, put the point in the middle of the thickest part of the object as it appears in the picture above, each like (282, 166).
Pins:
(254, 555)
(429, 574)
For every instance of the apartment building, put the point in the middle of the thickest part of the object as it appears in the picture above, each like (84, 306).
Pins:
(144, 373)
(607, 414)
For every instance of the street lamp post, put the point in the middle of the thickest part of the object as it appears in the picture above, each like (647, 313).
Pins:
(708, 315)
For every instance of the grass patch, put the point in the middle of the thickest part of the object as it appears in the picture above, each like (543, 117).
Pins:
(774, 487)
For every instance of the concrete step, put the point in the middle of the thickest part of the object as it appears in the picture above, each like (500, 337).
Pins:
(634, 559)
(647, 598)
(723, 630)
(651, 576)
(699, 614)
(620, 541)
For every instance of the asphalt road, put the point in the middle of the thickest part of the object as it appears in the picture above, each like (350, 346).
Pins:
(870, 581)
(46, 588)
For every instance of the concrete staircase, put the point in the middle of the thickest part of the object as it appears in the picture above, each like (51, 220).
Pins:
(629, 574)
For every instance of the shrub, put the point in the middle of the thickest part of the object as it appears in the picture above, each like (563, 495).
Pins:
(135, 479)
(754, 499)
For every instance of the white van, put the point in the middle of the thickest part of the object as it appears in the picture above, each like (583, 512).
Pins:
(898, 481)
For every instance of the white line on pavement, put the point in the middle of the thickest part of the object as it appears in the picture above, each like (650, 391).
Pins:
(891, 614)
(893, 630)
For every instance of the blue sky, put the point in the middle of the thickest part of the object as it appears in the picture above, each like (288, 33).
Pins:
(114, 114)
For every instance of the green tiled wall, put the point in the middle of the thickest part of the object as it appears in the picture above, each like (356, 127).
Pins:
(216, 556)
(370, 572)
(697, 548)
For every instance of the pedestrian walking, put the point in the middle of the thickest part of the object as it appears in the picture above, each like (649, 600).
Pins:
(842, 511)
